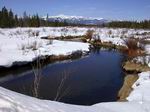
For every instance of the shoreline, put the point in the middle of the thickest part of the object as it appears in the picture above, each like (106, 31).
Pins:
(132, 69)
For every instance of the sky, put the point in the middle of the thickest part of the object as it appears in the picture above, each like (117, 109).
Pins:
(108, 9)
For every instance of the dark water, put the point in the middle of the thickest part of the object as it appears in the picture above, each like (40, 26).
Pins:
(89, 80)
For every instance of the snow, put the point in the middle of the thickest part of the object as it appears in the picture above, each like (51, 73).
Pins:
(11, 53)
(16, 47)
(62, 16)
(15, 102)
(25, 44)
(147, 48)
(117, 36)
(141, 88)
(43, 31)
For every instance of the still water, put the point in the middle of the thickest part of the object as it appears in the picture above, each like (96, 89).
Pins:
(93, 79)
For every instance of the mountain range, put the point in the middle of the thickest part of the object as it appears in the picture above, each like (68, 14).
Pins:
(76, 19)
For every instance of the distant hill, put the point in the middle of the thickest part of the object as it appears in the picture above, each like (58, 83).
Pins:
(76, 20)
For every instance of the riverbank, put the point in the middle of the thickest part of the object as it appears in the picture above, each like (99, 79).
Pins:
(11, 55)
(24, 45)
(135, 65)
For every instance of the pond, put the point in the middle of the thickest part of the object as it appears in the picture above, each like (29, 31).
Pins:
(89, 80)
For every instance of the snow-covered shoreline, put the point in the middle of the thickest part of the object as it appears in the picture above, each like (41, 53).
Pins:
(19, 49)
(10, 56)
(139, 101)
(23, 45)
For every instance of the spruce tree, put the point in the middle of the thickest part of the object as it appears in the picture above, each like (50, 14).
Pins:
(5, 18)
(25, 19)
(16, 21)
(11, 19)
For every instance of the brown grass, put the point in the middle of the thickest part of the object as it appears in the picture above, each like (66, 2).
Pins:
(127, 87)
(131, 66)
(134, 47)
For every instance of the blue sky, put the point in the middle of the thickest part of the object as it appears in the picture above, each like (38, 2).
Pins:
(108, 9)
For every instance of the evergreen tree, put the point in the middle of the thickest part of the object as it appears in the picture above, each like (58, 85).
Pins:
(16, 21)
(47, 20)
(37, 21)
(25, 19)
(11, 19)
(5, 18)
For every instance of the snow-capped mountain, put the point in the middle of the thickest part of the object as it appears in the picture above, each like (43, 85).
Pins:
(76, 19)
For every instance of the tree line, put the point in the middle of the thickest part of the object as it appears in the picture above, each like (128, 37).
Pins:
(130, 24)
(8, 20)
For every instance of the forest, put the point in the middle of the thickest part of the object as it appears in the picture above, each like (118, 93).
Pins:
(9, 20)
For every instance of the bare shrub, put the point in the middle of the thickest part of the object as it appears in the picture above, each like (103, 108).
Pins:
(96, 36)
(123, 32)
(23, 48)
(131, 43)
(18, 32)
(37, 70)
(30, 46)
(29, 32)
(75, 30)
(37, 33)
(109, 33)
(134, 46)
(34, 46)
(64, 29)
(61, 91)
(64, 32)
(32, 33)
(89, 34)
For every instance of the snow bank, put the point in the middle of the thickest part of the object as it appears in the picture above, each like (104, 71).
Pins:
(139, 101)
(141, 92)
(43, 32)
(14, 102)
(11, 53)
(115, 36)
(147, 48)
(23, 45)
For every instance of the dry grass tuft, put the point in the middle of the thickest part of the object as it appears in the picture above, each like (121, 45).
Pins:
(134, 47)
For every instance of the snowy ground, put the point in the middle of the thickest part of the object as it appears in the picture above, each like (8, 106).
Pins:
(19, 47)
(139, 101)
(105, 34)
(22, 45)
